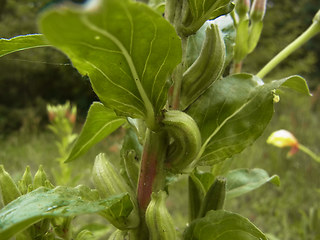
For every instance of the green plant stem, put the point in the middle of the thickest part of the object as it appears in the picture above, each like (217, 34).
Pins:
(309, 153)
(297, 43)
(178, 75)
(152, 174)
(236, 67)
(152, 177)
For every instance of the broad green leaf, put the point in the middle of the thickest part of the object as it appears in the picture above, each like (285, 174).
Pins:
(241, 181)
(101, 121)
(234, 112)
(127, 49)
(20, 43)
(201, 11)
(45, 203)
(223, 225)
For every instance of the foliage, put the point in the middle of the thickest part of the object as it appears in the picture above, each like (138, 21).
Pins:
(132, 54)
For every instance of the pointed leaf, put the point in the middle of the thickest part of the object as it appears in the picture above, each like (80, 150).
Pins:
(20, 43)
(101, 122)
(234, 112)
(44, 203)
(223, 225)
(127, 49)
(241, 181)
(201, 11)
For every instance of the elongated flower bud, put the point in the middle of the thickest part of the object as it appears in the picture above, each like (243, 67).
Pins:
(9, 189)
(25, 181)
(258, 10)
(206, 69)
(158, 219)
(108, 181)
(187, 139)
(242, 8)
(85, 235)
(214, 199)
(40, 178)
(122, 235)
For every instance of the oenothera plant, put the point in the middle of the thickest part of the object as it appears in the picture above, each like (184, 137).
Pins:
(159, 69)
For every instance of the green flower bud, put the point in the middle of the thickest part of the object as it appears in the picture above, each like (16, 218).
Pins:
(187, 139)
(158, 219)
(258, 10)
(9, 189)
(121, 235)
(85, 235)
(40, 178)
(27, 176)
(214, 199)
(242, 8)
(25, 181)
(108, 181)
(22, 186)
(208, 67)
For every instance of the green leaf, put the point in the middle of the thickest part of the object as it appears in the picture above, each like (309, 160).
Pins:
(201, 11)
(199, 184)
(101, 122)
(127, 49)
(196, 195)
(223, 225)
(22, 42)
(234, 112)
(241, 181)
(45, 203)
(206, 179)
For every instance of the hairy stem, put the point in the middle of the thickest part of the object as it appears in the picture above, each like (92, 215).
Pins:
(297, 43)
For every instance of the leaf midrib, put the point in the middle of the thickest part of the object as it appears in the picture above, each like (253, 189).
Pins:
(105, 33)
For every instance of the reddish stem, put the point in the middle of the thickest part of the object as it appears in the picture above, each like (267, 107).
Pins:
(151, 172)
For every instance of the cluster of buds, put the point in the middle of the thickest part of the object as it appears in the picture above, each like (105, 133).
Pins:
(283, 138)
(58, 112)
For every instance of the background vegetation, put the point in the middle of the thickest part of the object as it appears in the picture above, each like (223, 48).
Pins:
(31, 79)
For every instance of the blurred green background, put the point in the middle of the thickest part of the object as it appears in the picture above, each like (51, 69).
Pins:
(31, 79)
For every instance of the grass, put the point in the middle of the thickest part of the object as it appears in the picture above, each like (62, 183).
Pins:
(287, 212)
